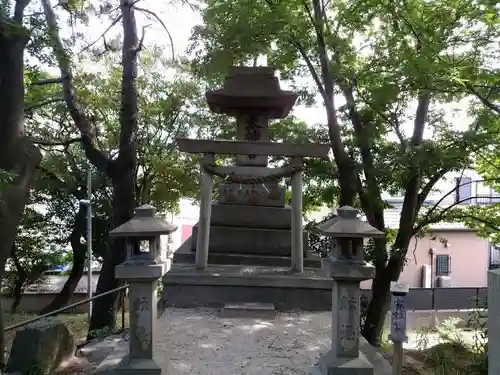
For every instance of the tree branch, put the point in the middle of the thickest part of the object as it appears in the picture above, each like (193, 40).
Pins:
(391, 119)
(427, 217)
(19, 10)
(61, 143)
(129, 94)
(113, 23)
(42, 104)
(48, 81)
(98, 158)
(140, 44)
(484, 221)
(411, 202)
(52, 175)
(424, 193)
(495, 108)
(153, 14)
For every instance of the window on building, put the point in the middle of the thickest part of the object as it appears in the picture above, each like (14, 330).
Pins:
(443, 265)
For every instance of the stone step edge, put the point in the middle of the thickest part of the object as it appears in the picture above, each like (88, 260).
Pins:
(312, 259)
(248, 310)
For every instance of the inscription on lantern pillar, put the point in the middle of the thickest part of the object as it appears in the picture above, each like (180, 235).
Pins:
(348, 320)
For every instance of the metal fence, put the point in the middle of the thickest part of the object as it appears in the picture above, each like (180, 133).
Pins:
(443, 298)
(486, 199)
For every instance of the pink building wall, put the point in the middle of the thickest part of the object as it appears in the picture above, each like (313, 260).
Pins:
(186, 232)
(468, 264)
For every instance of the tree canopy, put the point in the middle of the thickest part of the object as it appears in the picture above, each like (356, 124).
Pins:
(387, 75)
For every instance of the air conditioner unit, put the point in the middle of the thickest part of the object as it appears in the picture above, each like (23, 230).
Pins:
(426, 276)
(444, 282)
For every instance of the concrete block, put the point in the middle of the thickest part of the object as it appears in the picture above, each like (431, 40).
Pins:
(250, 310)
(249, 241)
(233, 215)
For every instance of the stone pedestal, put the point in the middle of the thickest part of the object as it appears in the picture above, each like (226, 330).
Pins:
(345, 356)
(142, 275)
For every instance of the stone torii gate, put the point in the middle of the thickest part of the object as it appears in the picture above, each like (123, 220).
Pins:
(251, 190)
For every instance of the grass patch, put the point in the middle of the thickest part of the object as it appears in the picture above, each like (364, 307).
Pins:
(443, 350)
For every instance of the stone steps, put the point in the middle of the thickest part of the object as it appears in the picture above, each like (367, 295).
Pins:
(312, 261)
(233, 215)
(259, 241)
(250, 310)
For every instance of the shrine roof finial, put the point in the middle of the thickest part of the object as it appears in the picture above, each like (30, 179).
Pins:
(250, 90)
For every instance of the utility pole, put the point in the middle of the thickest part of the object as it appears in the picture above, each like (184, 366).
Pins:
(88, 202)
(89, 240)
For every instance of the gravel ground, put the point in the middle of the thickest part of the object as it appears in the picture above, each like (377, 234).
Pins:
(197, 341)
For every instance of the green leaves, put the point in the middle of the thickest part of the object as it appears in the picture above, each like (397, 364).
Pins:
(381, 57)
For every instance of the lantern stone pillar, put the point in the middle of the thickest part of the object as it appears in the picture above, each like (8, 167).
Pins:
(142, 270)
(347, 267)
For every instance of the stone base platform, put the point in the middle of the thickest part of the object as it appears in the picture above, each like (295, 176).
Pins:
(184, 286)
(184, 254)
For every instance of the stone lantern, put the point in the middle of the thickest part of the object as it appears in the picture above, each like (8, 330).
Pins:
(142, 272)
(347, 267)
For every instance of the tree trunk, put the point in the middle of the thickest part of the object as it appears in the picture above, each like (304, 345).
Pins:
(17, 154)
(123, 175)
(78, 266)
(104, 309)
(380, 301)
(122, 170)
(18, 292)
(21, 278)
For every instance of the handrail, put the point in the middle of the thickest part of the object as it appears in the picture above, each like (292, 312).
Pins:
(76, 304)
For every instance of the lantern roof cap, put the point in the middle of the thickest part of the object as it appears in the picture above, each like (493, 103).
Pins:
(346, 224)
(145, 223)
(249, 90)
